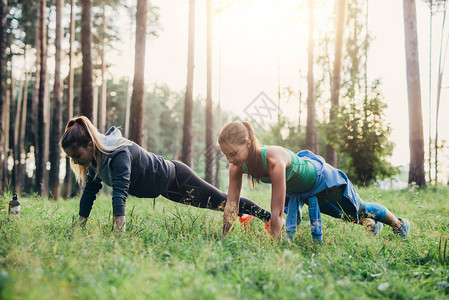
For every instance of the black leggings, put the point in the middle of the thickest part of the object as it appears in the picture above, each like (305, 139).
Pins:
(188, 188)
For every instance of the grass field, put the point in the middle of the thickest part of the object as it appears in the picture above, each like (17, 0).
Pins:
(172, 251)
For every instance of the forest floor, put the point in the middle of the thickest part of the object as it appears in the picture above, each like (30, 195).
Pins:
(172, 251)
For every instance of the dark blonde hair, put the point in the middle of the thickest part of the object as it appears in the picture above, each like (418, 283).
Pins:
(79, 132)
(238, 133)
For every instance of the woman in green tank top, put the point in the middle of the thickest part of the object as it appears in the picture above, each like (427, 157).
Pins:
(289, 173)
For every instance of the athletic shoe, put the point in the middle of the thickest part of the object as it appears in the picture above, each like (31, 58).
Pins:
(377, 228)
(404, 230)
(245, 219)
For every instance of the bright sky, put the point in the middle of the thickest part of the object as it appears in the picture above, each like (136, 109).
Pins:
(252, 39)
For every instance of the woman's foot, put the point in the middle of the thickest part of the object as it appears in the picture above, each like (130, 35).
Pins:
(245, 219)
(377, 228)
(402, 230)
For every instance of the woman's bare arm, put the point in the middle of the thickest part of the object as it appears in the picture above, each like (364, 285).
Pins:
(231, 210)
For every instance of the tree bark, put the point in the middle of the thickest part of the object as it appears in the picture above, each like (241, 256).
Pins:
(311, 133)
(23, 124)
(187, 140)
(56, 124)
(68, 174)
(16, 131)
(37, 76)
(331, 154)
(42, 146)
(102, 106)
(3, 13)
(210, 145)
(416, 172)
(86, 103)
(136, 121)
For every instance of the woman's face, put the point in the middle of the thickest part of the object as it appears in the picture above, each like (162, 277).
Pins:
(236, 153)
(81, 155)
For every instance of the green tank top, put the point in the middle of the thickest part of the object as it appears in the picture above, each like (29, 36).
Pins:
(300, 175)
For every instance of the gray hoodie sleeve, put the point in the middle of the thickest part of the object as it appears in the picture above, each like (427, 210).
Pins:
(120, 174)
(89, 195)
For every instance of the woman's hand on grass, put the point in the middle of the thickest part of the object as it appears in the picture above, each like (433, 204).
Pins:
(120, 224)
(82, 221)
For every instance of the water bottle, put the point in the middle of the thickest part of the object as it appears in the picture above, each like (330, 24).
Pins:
(14, 206)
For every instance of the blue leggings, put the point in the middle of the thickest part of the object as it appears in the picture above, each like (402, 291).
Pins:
(333, 203)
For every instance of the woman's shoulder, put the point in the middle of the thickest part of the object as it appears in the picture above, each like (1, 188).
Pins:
(277, 153)
(274, 150)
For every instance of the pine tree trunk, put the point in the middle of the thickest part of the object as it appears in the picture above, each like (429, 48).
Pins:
(42, 146)
(218, 151)
(416, 172)
(136, 125)
(56, 124)
(23, 124)
(68, 174)
(331, 154)
(311, 133)
(3, 14)
(6, 134)
(187, 139)
(35, 94)
(102, 106)
(16, 131)
(86, 103)
(210, 145)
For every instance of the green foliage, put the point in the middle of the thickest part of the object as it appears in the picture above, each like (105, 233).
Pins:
(176, 252)
(361, 134)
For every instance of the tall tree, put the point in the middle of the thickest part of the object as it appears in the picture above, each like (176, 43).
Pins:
(42, 146)
(23, 123)
(331, 154)
(102, 106)
(187, 139)
(136, 125)
(36, 83)
(416, 172)
(56, 124)
(87, 98)
(210, 146)
(311, 131)
(68, 174)
(3, 11)
(16, 131)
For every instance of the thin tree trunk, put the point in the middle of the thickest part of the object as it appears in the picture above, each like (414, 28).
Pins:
(95, 105)
(23, 123)
(311, 133)
(210, 145)
(416, 172)
(187, 139)
(136, 122)
(3, 13)
(11, 123)
(16, 130)
(440, 79)
(35, 95)
(218, 151)
(102, 106)
(331, 154)
(6, 133)
(42, 146)
(56, 124)
(86, 102)
(68, 174)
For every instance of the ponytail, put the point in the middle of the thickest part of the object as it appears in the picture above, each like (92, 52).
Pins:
(79, 132)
